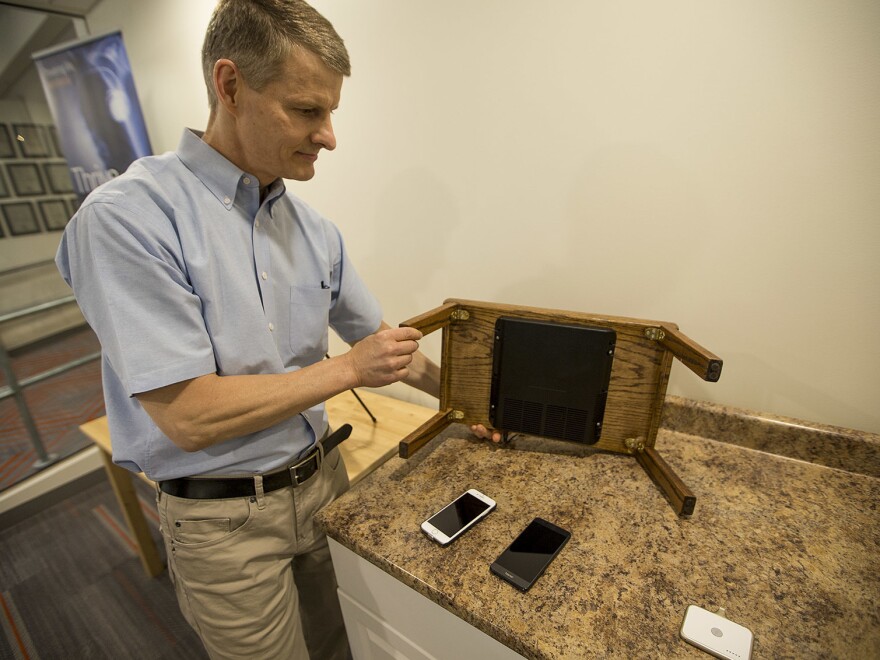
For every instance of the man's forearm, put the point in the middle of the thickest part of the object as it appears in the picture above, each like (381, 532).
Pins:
(424, 375)
(201, 412)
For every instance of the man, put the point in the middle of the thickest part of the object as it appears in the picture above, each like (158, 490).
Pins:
(211, 289)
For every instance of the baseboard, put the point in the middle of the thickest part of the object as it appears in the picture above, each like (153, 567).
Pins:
(52, 484)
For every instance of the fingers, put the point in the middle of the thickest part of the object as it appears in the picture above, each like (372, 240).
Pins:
(406, 339)
(403, 333)
(482, 432)
(400, 343)
(383, 358)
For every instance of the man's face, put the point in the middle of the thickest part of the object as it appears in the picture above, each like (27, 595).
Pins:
(282, 128)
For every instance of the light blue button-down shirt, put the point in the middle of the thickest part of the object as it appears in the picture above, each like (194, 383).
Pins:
(182, 271)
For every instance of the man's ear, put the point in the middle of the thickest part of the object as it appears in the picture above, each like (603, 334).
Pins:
(227, 85)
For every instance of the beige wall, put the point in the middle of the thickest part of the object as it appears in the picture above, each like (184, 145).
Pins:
(714, 164)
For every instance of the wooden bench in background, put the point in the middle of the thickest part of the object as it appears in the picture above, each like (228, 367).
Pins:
(369, 445)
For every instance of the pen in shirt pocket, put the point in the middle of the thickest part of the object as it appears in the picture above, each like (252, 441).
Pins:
(324, 285)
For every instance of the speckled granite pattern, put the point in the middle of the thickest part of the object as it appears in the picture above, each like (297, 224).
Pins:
(833, 446)
(790, 549)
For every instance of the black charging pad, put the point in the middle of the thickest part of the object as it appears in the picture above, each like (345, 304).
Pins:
(550, 379)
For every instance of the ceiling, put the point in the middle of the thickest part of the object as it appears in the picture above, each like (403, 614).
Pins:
(26, 27)
(77, 7)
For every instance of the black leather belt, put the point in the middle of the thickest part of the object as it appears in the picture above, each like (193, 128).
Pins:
(221, 488)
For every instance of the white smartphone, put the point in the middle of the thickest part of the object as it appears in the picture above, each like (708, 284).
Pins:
(458, 516)
(716, 635)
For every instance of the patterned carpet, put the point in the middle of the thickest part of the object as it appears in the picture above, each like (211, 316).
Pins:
(71, 586)
(58, 405)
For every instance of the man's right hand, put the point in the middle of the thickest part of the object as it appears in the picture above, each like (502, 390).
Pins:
(383, 357)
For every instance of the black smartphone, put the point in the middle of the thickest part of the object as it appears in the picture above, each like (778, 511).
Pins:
(530, 553)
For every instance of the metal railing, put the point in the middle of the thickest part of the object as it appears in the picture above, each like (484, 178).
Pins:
(15, 387)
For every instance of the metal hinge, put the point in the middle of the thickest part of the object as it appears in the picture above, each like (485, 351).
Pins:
(455, 414)
(635, 444)
(459, 315)
(655, 333)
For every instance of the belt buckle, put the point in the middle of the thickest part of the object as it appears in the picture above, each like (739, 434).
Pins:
(317, 455)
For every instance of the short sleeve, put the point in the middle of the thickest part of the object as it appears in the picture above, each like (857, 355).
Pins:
(125, 266)
(354, 311)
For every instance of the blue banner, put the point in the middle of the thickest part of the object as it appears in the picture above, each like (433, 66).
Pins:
(92, 98)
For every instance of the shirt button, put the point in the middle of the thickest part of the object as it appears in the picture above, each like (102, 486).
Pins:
(257, 224)
(271, 327)
(264, 275)
(247, 180)
(226, 200)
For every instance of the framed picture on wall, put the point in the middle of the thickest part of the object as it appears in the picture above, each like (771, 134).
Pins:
(55, 214)
(25, 179)
(58, 177)
(56, 143)
(32, 140)
(4, 189)
(7, 148)
(21, 218)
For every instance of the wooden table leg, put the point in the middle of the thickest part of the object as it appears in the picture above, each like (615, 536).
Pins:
(121, 480)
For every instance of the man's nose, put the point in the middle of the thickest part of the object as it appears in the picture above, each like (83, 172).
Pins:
(324, 135)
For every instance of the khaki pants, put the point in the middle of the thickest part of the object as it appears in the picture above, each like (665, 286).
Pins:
(253, 576)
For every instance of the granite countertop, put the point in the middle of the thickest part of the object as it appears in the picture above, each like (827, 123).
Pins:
(787, 542)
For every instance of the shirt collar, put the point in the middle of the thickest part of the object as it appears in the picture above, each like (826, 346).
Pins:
(215, 171)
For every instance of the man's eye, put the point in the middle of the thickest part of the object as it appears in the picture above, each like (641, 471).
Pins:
(306, 112)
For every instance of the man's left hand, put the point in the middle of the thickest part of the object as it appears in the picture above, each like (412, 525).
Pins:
(487, 434)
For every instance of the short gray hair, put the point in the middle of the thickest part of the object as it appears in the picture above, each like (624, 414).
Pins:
(259, 35)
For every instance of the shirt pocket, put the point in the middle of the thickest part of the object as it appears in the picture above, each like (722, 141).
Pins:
(309, 321)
